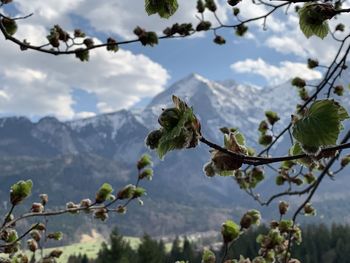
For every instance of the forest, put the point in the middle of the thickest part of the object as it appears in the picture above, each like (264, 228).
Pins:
(320, 244)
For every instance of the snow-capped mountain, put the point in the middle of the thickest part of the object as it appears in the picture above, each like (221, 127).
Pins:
(71, 159)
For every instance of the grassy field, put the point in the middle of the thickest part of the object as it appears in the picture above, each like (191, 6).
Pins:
(90, 248)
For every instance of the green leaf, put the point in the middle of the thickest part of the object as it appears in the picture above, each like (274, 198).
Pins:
(103, 193)
(165, 8)
(321, 125)
(20, 191)
(82, 54)
(311, 23)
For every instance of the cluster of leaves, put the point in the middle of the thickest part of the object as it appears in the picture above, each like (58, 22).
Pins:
(180, 129)
(222, 163)
(301, 83)
(265, 127)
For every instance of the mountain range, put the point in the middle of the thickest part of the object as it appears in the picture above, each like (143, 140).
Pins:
(70, 160)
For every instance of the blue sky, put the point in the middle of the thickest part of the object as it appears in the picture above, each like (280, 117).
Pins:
(36, 85)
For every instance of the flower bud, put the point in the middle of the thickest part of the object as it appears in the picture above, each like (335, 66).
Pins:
(32, 245)
(37, 208)
(101, 214)
(283, 207)
(44, 199)
(35, 234)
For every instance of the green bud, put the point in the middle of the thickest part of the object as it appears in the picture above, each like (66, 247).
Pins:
(219, 40)
(103, 193)
(44, 199)
(56, 253)
(200, 6)
(309, 178)
(339, 90)
(340, 27)
(55, 236)
(298, 82)
(85, 203)
(241, 30)
(208, 256)
(72, 208)
(203, 26)
(283, 207)
(280, 180)
(88, 42)
(112, 45)
(35, 234)
(263, 126)
(297, 181)
(37, 208)
(235, 11)
(303, 94)
(78, 33)
(10, 25)
(230, 231)
(169, 118)
(146, 173)
(345, 161)
(209, 169)
(272, 117)
(210, 4)
(144, 161)
(127, 192)
(153, 138)
(20, 191)
(265, 139)
(309, 210)
(246, 221)
(312, 63)
(32, 245)
(121, 209)
(138, 192)
(101, 214)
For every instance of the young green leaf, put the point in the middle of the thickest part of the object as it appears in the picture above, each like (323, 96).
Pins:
(321, 125)
(20, 191)
(103, 193)
(164, 8)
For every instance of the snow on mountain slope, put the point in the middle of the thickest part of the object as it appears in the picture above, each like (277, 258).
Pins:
(219, 105)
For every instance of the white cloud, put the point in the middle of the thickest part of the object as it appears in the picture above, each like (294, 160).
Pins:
(132, 13)
(36, 84)
(275, 74)
(84, 114)
(292, 41)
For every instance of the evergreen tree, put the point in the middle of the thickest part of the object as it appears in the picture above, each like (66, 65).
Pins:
(175, 252)
(118, 251)
(151, 251)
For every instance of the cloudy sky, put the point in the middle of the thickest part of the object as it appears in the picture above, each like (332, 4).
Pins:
(35, 85)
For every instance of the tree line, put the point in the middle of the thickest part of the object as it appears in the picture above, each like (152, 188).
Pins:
(321, 243)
